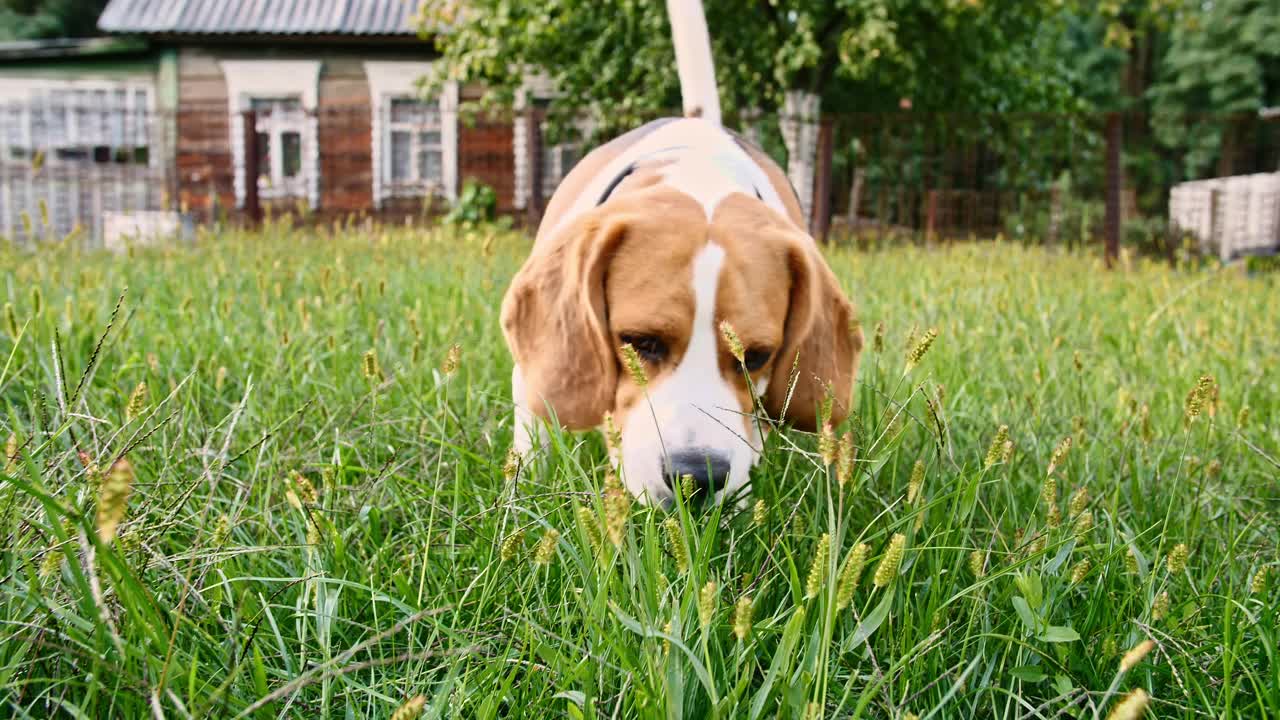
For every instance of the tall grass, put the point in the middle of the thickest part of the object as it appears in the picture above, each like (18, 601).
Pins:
(303, 436)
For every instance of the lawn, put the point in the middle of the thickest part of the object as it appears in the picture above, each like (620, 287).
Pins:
(259, 483)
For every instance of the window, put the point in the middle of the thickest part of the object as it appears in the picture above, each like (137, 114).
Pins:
(415, 139)
(281, 124)
(283, 94)
(557, 161)
(77, 122)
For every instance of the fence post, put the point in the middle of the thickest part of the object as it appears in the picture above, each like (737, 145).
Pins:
(533, 161)
(821, 220)
(252, 208)
(931, 216)
(1115, 179)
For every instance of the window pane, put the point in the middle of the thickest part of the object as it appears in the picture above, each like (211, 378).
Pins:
(414, 112)
(264, 155)
(430, 166)
(401, 154)
(291, 149)
(430, 139)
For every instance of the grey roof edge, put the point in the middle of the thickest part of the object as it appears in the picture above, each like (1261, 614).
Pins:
(356, 18)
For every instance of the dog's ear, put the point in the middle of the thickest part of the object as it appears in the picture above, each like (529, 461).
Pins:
(821, 342)
(555, 322)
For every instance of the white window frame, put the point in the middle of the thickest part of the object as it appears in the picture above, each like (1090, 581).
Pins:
(272, 182)
(249, 80)
(397, 80)
(539, 88)
(29, 94)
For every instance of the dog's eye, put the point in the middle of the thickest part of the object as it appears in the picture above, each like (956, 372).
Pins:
(651, 349)
(755, 358)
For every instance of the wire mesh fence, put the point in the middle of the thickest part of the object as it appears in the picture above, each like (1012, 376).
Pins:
(115, 170)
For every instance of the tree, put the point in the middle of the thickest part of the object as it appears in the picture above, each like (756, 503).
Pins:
(1223, 59)
(794, 56)
(35, 19)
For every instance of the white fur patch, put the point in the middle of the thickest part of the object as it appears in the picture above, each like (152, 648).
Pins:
(706, 163)
(692, 408)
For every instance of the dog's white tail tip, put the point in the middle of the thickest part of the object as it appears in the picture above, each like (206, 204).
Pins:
(693, 60)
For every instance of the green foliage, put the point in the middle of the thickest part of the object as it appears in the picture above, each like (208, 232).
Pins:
(33, 19)
(615, 57)
(303, 540)
(476, 203)
(1223, 60)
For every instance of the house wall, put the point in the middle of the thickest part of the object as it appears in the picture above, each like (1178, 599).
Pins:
(204, 160)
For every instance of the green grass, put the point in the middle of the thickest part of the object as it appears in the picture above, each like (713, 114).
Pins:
(232, 591)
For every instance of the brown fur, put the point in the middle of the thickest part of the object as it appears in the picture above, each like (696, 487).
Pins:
(626, 268)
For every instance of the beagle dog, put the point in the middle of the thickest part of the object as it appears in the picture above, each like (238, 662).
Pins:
(655, 239)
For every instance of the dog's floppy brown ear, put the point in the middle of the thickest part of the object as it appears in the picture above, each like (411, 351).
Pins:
(821, 342)
(555, 323)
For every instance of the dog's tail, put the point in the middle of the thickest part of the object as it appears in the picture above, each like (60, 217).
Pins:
(693, 59)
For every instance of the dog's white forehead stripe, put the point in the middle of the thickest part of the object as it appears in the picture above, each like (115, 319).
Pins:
(706, 163)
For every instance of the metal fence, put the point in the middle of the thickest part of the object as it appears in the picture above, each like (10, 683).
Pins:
(108, 174)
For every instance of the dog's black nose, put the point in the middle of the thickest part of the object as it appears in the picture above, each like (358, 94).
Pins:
(709, 468)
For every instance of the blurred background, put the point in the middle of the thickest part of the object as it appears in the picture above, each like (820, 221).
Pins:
(1152, 125)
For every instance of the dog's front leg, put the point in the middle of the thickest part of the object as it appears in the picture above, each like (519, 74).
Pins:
(528, 430)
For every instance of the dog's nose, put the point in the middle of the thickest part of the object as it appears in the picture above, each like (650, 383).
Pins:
(709, 468)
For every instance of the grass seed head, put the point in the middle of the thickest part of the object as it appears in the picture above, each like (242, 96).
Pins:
(1132, 707)
(845, 456)
(590, 526)
(978, 563)
(511, 466)
(827, 447)
(11, 452)
(760, 513)
(742, 618)
(137, 402)
(1203, 394)
(818, 568)
(1079, 502)
(1131, 562)
(996, 450)
(851, 574)
(707, 603)
(877, 342)
(1160, 606)
(617, 509)
(1258, 584)
(113, 498)
(511, 545)
(1081, 570)
(676, 544)
(917, 479)
(451, 360)
(11, 320)
(887, 570)
(545, 551)
(1135, 655)
(1242, 418)
(733, 341)
(221, 529)
(370, 367)
(1059, 455)
(1176, 561)
(1084, 523)
(635, 366)
(612, 436)
(411, 709)
(921, 348)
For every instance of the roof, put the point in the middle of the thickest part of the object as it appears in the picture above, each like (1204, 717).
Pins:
(260, 17)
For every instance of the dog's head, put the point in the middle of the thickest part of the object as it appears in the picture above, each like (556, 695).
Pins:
(649, 269)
